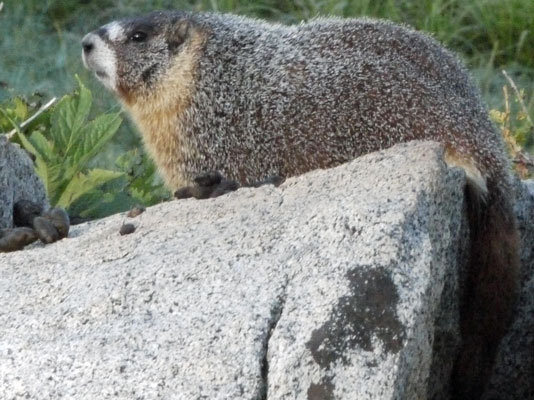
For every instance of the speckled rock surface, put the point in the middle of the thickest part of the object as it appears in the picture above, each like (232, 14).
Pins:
(337, 284)
(513, 377)
(18, 181)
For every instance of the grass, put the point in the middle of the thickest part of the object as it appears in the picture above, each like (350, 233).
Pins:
(40, 49)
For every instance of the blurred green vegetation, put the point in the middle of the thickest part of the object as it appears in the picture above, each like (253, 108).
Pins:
(41, 52)
(40, 46)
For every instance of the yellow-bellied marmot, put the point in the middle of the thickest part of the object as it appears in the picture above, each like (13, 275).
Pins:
(214, 92)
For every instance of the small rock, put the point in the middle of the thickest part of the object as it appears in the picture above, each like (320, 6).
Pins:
(126, 229)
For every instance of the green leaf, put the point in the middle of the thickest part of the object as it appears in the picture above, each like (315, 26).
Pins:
(85, 99)
(42, 146)
(69, 117)
(60, 129)
(94, 136)
(83, 206)
(57, 181)
(41, 168)
(99, 204)
(28, 146)
(21, 109)
(82, 184)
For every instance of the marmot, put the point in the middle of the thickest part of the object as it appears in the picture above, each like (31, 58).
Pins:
(251, 99)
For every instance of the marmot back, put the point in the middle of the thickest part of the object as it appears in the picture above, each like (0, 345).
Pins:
(214, 92)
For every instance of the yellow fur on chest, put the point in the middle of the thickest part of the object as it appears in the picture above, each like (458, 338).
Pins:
(161, 132)
(159, 115)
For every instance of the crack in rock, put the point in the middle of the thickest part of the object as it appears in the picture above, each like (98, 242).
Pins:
(276, 314)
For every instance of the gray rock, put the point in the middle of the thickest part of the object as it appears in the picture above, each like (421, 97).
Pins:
(18, 181)
(337, 284)
(513, 377)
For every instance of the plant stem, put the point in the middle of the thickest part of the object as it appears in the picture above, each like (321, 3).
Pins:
(10, 134)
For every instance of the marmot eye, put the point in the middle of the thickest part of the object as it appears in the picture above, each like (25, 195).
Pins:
(138, 36)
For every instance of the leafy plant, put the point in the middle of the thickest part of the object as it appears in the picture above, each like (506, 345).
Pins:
(517, 129)
(65, 147)
(139, 184)
(64, 142)
(19, 110)
(143, 183)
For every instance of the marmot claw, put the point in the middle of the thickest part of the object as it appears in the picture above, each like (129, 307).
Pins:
(208, 185)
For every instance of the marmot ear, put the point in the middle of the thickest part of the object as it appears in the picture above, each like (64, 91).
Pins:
(178, 34)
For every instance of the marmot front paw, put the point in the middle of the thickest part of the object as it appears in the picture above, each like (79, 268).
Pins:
(208, 185)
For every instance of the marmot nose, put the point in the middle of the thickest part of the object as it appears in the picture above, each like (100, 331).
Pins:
(87, 45)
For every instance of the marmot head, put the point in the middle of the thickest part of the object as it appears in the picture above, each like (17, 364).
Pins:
(130, 55)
